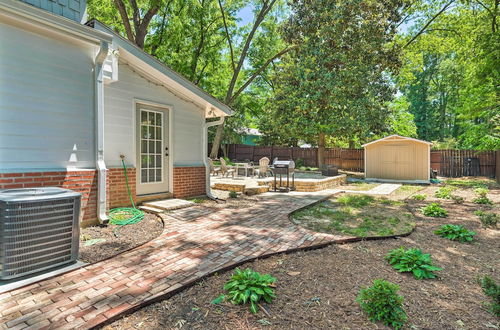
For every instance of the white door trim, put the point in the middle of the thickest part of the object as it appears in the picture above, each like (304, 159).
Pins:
(170, 117)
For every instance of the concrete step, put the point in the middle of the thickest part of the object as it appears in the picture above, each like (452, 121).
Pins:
(169, 204)
(149, 209)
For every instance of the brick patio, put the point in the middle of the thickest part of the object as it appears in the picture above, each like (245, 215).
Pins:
(196, 242)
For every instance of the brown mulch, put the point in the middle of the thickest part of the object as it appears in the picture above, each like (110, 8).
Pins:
(317, 289)
(118, 238)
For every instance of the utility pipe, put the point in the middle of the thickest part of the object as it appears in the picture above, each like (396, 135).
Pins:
(99, 132)
(205, 153)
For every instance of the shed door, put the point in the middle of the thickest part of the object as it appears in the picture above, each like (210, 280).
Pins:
(397, 162)
(152, 150)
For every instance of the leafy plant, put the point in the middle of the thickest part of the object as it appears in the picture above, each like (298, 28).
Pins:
(248, 286)
(492, 290)
(233, 194)
(434, 210)
(457, 199)
(444, 192)
(482, 196)
(382, 303)
(488, 219)
(455, 233)
(299, 162)
(412, 260)
(419, 197)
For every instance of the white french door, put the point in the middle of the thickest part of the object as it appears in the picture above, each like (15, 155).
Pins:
(152, 150)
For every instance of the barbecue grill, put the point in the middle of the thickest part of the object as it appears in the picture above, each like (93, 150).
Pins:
(284, 167)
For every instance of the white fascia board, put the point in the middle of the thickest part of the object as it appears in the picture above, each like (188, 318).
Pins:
(159, 71)
(42, 19)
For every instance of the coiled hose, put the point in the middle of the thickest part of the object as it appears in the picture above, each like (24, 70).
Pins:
(126, 215)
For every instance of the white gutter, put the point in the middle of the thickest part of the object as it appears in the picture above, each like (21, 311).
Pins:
(99, 132)
(205, 153)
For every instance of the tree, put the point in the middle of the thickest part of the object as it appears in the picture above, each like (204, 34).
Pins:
(263, 10)
(337, 81)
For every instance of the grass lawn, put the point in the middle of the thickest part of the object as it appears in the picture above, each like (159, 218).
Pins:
(317, 289)
(356, 215)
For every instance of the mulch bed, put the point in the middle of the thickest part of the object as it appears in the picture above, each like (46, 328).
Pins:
(317, 288)
(118, 238)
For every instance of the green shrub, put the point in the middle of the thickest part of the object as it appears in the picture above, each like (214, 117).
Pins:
(233, 194)
(412, 260)
(444, 192)
(482, 196)
(434, 210)
(488, 219)
(382, 303)
(455, 233)
(457, 199)
(419, 197)
(299, 162)
(492, 290)
(248, 286)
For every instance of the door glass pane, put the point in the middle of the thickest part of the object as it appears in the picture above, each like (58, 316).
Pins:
(151, 145)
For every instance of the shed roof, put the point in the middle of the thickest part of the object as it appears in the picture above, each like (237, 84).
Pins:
(396, 137)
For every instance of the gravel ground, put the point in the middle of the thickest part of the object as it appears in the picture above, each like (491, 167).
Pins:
(118, 238)
(317, 289)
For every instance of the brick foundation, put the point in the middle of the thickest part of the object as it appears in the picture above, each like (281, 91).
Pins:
(117, 195)
(189, 181)
(83, 181)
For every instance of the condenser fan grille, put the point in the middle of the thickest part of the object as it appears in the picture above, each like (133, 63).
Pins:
(39, 230)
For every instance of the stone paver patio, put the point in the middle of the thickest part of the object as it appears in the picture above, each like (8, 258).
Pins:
(195, 243)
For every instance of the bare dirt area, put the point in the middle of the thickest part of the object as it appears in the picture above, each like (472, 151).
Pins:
(317, 289)
(98, 243)
(241, 201)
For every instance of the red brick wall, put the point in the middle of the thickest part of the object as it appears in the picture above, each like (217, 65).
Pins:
(117, 189)
(83, 181)
(189, 181)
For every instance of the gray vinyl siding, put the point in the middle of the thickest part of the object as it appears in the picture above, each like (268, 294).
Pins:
(119, 118)
(46, 102)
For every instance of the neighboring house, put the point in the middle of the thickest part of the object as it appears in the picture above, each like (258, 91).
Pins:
(75, 97)
(250, 136)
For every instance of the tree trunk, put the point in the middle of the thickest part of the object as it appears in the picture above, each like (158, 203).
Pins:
(217, 140)
(321, 150)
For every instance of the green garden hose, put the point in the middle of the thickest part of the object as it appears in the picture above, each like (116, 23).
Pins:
(126, 215)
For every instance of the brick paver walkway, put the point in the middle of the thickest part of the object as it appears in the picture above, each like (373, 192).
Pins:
(194, 243)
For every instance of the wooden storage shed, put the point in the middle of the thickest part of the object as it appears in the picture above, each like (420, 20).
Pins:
(398, 158)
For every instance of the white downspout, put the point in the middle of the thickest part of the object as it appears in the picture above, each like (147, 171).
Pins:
(99, 133)
(205, 153)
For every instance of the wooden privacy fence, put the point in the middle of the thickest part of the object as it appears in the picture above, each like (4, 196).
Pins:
(449, 163)
(457, 163)
(347, 159)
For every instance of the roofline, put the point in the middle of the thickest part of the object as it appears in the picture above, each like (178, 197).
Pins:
(21, 11)
(164, 69)
(395, 135)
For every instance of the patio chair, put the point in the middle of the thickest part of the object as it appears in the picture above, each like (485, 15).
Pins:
(263, 169)
(213, 170)
(225, 169)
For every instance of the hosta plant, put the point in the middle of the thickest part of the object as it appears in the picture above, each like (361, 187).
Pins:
(482, 196)
(248, 286)
(434, 210)
(455, 233)
(382, 303)
(444, 192)
(419, 197)
(412, 260)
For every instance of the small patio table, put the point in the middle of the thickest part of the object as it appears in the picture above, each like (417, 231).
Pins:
(246, 166)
